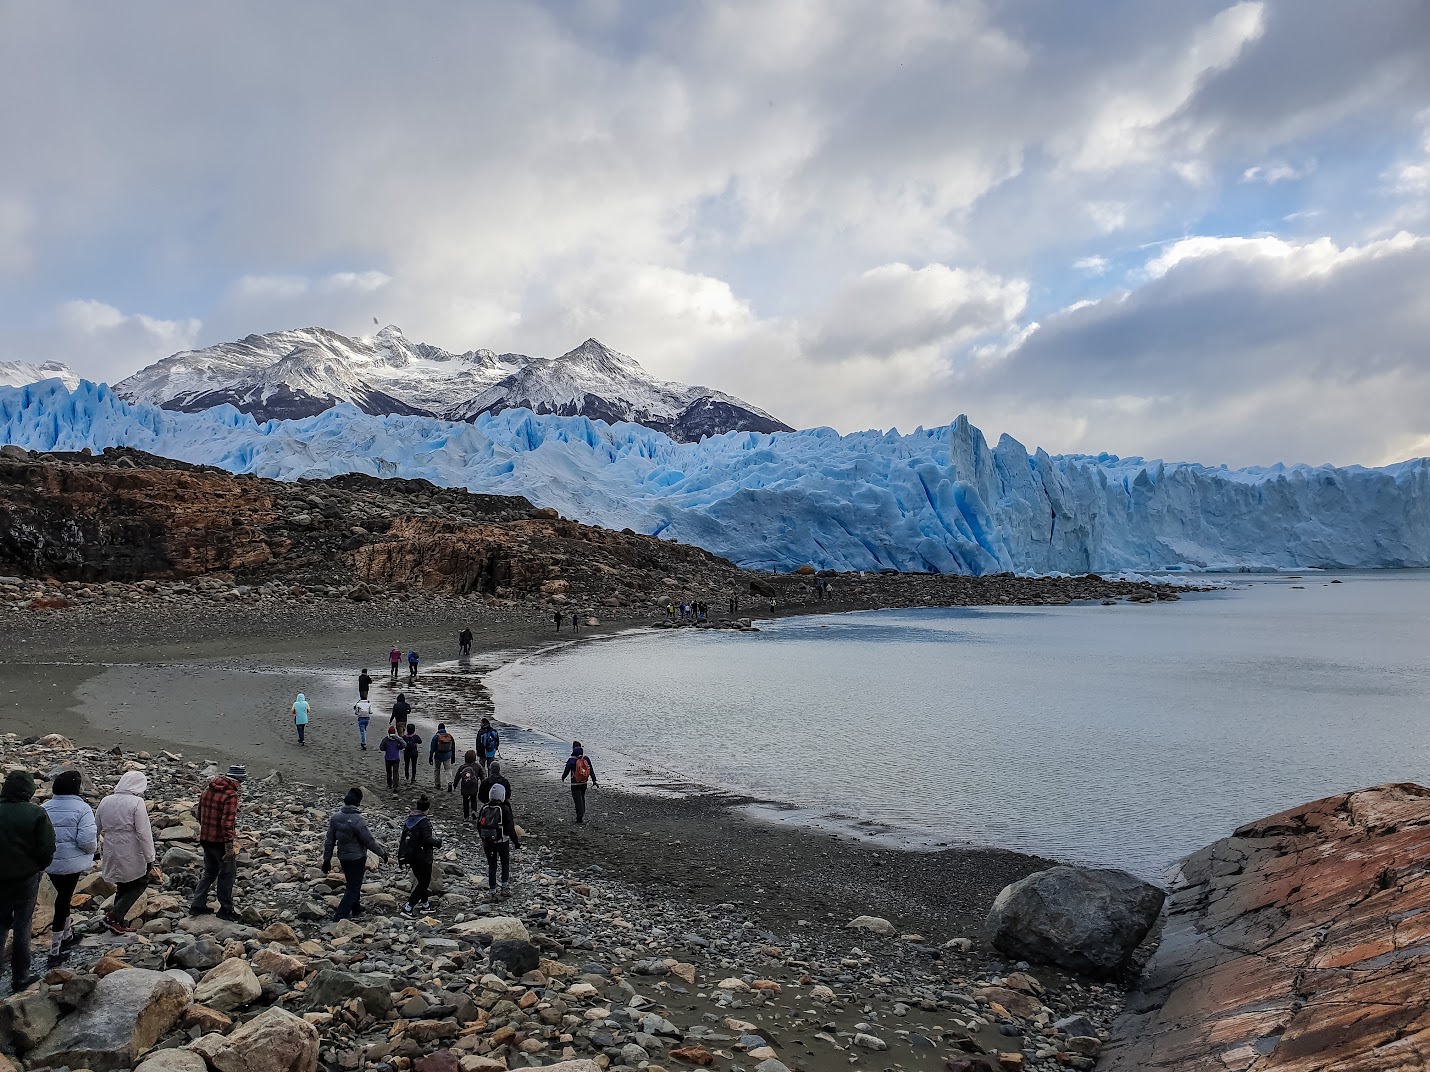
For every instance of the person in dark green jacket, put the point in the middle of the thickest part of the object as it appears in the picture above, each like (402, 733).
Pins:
(27, 845)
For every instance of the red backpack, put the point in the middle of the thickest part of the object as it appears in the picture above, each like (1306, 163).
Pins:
(582, 774)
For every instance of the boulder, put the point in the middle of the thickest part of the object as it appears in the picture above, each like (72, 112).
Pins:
(128, 1012)
(872, 924)
(27, 1019)
(495, 928)
(273, 1041)
(231, 985)
(1084, 919)
(331, 988)
(517, 956)
(172, 1061)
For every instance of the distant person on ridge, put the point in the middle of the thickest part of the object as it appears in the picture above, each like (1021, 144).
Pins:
(350, 838)
(464, 642)
(582, 774)
(412, 748)
(364, 683)
(497, 828)
(76, 839)
(469, 781)
(400, 710)
(442, 753)
(494, 778)
(218, 837)
(414, 849)
(392, 748)
(300, 717)
(394, 658)
(27, 847)
(412, 660)
(488, 742)
(363, 710)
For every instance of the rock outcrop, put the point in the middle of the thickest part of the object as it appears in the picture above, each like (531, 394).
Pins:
(1086, 919)
(1298, 944)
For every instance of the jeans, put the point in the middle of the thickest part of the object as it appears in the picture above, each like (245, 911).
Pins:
(362, 731)
(409, 766)
(422, 872)
(220, 866)
(441, 765)
(302, 726)
(126, 896)
(392, 768)
(578, 796)
(500, 851)
(64, 893)
(353, 872)
(17, 913)
(471, 804)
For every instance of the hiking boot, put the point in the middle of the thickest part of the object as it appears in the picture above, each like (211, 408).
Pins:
(425, 907)
(228, 915)
(24, 983)
(199, 910)
(407, 910)
(117, 926)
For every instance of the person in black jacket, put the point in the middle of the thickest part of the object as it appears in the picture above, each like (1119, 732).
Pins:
(497, 827)
(27, 846)
(464, 642)
(494, 778)
(415, 850)
(364, 683)
(400, 710)
(350, 838)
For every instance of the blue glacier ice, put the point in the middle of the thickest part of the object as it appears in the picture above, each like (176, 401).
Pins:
(938, 499)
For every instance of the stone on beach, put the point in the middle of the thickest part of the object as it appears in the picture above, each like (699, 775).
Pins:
(127, 1013)
(872, 924)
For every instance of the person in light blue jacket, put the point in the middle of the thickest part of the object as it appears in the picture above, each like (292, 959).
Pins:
(76, 838)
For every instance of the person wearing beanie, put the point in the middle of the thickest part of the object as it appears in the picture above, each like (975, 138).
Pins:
(411, 751)
(415, 850)
(27, 847)
(488, 743)
(218, 837)
(442, 754)
(351, 840)
(76, 838)
(497, 828)
(126, 841)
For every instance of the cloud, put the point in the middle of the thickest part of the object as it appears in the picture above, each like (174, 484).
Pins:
(1276, 171)
(1093, 265)
(102, 343)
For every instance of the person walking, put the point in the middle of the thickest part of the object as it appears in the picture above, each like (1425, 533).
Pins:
(27, 848)
(412, 748)
(351, 840)
(76, 838)
(582, 774)
(412, 660)
(400, 710)
(464, 641)
(575, 622)
(442, 753)
(127, 847)
(557, 619)
(469, 781)
(494, 778)
(218, 837)
(300, 717)
(392, 748)
(415, 849)
(364, 683)
(488, 744)
(363, 710)
(394, 658)
(497, 828)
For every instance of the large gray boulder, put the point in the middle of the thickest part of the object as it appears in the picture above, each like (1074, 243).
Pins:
(128, 1012)
(331, 988)
(1084, 919)
(273, 1041)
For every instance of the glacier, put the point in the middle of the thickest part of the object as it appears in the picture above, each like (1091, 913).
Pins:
(935, 500)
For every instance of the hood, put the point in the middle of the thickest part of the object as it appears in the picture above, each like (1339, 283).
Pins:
(413, 819)
(133, 782)
(223, 786)
(19, 786)
(301, 698)
(497, 794)
(578, 751)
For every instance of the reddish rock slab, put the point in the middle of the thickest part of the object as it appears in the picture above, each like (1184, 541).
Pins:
(1299, 944)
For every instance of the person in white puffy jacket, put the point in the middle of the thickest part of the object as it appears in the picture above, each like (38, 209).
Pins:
(127, 847)
(76, 838)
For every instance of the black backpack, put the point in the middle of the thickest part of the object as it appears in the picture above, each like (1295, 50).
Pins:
(469, 777)
(405, 847)
(489, 825)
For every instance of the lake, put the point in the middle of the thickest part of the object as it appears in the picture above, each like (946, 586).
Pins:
(1123, 736)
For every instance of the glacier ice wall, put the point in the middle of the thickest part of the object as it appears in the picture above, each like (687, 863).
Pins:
(938, 499)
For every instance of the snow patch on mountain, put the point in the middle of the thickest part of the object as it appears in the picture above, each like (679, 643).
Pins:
(19, 373)
(937, 499)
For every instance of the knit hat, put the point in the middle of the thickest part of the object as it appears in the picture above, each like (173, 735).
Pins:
(236, 772)
(497, 794)
(353, 797)
(67, 783)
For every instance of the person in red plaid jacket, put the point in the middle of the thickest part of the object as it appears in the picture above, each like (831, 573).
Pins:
(218, 834)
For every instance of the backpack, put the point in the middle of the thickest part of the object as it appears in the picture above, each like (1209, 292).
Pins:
(484, 741)
(469, 778)
(489, 825)
(446, 743)
(405, 847)
(582, 774)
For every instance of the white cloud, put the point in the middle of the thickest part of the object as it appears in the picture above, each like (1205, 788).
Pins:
(102, 343)
(1093, 265)
(1277, 171)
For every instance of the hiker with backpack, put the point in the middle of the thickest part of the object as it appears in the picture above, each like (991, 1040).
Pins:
(412, 660)
(392, 748)
(469, 781)
(400, 710)
(363, 710)
(414, 850)
(582, 774)
(488, 742)
(442, 753)
(394, 658)
(464, 641)
(496, 826)
(494, 778)
(412, 748)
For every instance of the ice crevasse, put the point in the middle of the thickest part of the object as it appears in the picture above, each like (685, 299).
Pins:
(937, 499)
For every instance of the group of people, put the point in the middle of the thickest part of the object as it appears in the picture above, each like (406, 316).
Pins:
(573, 617)
(695, 612)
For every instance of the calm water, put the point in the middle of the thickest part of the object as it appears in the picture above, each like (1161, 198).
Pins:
(1123, 736)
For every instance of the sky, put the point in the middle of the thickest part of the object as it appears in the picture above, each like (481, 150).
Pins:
(1196, 231)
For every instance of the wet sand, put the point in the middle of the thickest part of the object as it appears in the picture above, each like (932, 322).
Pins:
(219, 684)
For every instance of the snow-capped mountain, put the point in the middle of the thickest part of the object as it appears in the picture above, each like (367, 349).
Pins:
(19, 373)
(295, 374)
(597, 382)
